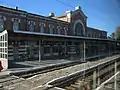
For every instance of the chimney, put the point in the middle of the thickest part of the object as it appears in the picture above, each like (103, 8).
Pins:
(68, 14)
(77, 8)
(16, 7)
(51, 14)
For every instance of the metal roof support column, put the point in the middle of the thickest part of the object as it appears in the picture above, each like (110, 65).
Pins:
(98, 75)
(94, 79)
(65, 48)
(115, 78)
(39, 51)
(84, 56)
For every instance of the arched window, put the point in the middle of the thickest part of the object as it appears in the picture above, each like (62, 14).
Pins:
(31, 26)
(79, 29)
(2, 19)
(65, 30)
(51, 27)
(59, 29)
(42, 27)
(16, 23)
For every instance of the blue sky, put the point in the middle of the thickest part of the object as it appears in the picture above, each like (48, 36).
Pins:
(102, 14)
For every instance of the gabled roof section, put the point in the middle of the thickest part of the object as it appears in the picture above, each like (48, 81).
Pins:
(78, 9)
(65, 17)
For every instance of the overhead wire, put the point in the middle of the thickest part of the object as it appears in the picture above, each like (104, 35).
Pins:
(64, 3)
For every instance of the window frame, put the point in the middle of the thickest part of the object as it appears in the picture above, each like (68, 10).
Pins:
(59, 28)
(31, 26)
(2, 19)
(65, 30)
(51, 28)
(16, 20)
(42, 27)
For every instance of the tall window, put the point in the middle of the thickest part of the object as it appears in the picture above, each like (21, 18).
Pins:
(51, 26)
(16, 23)
(1, 23)
(79, 29)
(59, 29)
(42, 27)
(31, 26)
(65, 30)
(46, 49)
(55, 49)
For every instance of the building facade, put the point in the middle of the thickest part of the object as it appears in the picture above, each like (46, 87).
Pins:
(34, 37)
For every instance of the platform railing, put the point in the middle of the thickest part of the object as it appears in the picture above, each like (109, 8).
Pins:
(110, 84)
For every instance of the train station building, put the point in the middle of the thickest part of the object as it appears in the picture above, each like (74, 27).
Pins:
(37, 37)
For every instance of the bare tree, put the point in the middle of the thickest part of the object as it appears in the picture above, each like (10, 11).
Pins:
(118, 33)
(112, 36)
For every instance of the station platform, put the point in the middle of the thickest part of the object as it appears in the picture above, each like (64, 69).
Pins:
(25, 66)
(19, 66)
(5, 73)
(36, 63)
(39, 81)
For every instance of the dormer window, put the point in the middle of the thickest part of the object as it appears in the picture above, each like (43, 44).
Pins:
(31, 26)
(16, 23)
(51, 27)
(42, 27)
(2, 19)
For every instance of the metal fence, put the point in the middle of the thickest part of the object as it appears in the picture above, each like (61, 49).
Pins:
(112, 83)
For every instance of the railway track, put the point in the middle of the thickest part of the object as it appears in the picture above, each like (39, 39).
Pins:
(78, 85)
(17, 77)
(9, 80)
(35, 71)
(85, 78)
